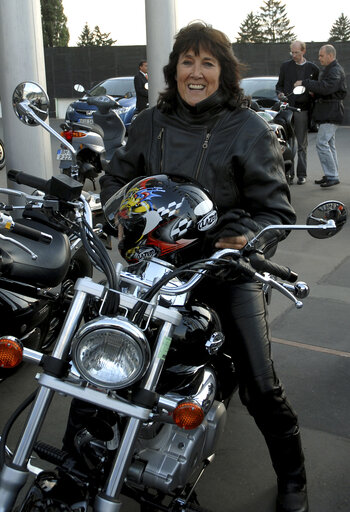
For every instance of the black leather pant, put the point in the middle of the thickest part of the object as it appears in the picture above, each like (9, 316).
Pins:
(242, 309)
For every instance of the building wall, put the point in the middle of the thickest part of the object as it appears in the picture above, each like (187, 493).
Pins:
(89, 65)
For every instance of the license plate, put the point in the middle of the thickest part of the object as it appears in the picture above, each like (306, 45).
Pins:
(87, 120)
(64, 154)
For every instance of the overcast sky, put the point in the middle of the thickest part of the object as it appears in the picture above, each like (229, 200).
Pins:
(125, 19)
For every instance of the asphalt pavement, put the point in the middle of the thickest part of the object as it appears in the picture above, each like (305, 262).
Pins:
(311, 351)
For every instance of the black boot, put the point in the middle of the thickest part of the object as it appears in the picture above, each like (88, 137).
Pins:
(288, 461)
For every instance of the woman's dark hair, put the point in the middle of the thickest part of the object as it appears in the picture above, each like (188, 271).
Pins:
(197, 36)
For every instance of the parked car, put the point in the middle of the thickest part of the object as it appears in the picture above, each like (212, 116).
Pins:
(261, 89)
(120, 88)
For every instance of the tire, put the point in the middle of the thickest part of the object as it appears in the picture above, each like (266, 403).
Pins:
(2, 155)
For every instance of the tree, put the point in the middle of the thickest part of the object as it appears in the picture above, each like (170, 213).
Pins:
(102, 38)
(95, 37)
(86, 38)
(274, 23)
(250, 30)
(340, 30)
(53, 19)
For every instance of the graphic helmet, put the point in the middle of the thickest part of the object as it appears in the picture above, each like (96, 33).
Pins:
(161, 216)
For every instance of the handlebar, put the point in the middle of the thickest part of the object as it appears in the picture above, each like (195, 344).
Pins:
(22, 178)
(261, 264)
(63, 187)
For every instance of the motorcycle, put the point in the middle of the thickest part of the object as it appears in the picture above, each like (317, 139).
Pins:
(94, 143)
(280, 117)
(2, 155)
(149, 366)
(41, 252)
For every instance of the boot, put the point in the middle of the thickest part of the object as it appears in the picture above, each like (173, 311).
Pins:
(288, 462)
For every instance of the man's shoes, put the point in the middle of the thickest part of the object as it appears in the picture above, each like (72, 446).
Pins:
(292, 499)
(301, 180)
(329, 183)
(290, 179)
(322, 180)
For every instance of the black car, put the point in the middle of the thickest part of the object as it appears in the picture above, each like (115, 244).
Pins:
(261, 89)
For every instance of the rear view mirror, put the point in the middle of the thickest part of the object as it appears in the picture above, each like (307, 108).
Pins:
(79, 88)
(30, 94)
(300, 89)
(324, 212)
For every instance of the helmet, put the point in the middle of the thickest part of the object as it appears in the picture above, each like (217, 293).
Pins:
(161, 216)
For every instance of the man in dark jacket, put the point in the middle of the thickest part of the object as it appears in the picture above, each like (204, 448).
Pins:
(329, 90)
(298, 68)
(141, 87)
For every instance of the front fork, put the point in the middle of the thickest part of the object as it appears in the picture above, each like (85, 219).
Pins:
(108, 501)
(14, 475)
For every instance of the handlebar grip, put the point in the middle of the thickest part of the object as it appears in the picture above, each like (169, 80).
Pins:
(261, 264)
(23, 178)
(294, 109)
(33, 234)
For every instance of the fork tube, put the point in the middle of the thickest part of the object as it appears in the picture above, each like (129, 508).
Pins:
(127, 444)
(163, 344)
(70, 324)
(44, 397)
(33, 425)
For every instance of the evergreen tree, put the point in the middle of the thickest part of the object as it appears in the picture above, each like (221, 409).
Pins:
(53, 19)
(275, 24)
(94, 37)
(102, 38)
(340, 30)
(250, 30)
(86, 38)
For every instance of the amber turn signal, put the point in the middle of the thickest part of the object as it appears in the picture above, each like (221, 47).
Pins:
(188, 415)
(11, 352)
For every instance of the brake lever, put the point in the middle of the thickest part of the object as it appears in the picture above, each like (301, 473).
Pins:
(280, 287)
(22, 246)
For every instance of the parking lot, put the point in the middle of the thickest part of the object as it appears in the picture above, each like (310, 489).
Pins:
(311, 350)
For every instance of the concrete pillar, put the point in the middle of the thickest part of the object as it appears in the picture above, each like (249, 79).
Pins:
(160, 31)
(28, 148)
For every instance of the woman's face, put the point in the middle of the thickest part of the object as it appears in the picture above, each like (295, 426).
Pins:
(197, 76)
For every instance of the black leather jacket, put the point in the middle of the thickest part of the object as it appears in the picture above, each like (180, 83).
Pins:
(233, 153)
(330, 90)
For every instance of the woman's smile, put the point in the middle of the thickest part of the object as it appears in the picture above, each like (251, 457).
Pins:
(198, 76)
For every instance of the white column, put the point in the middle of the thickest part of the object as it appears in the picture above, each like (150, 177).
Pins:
(28, 148)
(160, 31)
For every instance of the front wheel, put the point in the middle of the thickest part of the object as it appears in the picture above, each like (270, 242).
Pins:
(2, 155)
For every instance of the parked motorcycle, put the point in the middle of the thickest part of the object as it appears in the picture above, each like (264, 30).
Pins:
(2, 155)
(280, 117)
(150, 369)
(37, 278)
(94, 143)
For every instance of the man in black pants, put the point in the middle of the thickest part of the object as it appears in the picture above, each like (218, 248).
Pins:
(299, 67)
(141, 87)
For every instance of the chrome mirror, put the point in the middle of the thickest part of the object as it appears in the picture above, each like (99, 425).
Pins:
(323, 213)
(30, 94)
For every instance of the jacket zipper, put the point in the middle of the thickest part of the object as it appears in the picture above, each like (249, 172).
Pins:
(204, 148)
(161, 142)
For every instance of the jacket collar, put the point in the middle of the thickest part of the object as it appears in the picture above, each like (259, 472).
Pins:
(203, 111)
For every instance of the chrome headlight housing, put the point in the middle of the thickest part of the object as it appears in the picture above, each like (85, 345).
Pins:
(111, 353)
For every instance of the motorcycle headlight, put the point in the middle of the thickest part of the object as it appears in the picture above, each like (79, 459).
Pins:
(111, 353)
(70, 109)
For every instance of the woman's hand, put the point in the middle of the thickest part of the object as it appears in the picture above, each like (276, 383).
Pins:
(231, 242)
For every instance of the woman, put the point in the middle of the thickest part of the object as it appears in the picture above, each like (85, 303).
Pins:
(202, 128)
